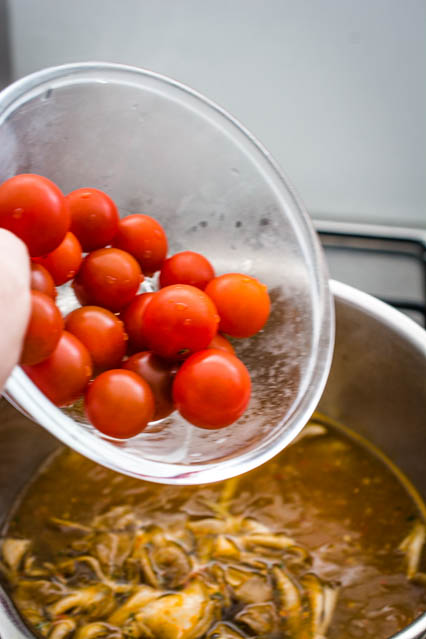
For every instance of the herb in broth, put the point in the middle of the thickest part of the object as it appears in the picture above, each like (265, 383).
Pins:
(323, 541)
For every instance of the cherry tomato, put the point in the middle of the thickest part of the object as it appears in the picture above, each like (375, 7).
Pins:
(119, 403)
(187, 268)
(101, 332)
(145, 239)
(159, 374)
(94, 217)
(242, 303)
(42, 281)
(220, 342)
(179, 320)
(108, 277)
(63, 263)
(212, 389)
(43, 331)
(64, 375)
(132, 317)
(34, 209)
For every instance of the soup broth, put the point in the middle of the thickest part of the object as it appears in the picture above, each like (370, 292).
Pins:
(323, 541)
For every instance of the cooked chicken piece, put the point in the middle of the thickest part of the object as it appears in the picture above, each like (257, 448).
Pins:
(184, 615)
(14, 550)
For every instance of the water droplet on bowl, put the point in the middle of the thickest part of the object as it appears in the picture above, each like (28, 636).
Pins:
(18, 213)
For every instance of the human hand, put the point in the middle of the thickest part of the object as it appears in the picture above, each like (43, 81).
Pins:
(15, 300)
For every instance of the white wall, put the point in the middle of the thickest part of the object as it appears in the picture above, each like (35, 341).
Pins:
(336, 89)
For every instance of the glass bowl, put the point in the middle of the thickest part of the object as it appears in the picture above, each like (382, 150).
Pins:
(157, 147)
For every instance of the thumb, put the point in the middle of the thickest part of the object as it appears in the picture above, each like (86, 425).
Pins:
(15, 300)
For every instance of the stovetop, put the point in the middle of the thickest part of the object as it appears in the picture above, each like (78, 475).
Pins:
(387, 262)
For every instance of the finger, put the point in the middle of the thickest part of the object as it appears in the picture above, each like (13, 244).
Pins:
(14, 300)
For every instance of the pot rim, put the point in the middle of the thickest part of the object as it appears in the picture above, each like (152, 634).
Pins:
(387, 315)
(416, 336)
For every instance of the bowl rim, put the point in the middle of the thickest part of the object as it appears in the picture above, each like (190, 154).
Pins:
(22, 393)
(416, 337)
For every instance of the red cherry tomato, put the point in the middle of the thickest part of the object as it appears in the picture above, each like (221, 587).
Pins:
(119, 403)
(101, 332)
(63, 263)
(159, 374)
(179, 320)
(43, 331)
(64, 375)
(42, 281)
(212, 389)
(94, 217)
(108, 277)
(242, 303)
(34, 209)
(220, 342)
(132, 317)
(145, 239)
(187, 268)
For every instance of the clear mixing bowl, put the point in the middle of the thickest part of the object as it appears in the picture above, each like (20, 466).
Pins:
(157, 147)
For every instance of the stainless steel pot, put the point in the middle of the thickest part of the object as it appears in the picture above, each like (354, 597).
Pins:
(377, 386)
